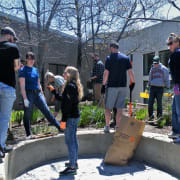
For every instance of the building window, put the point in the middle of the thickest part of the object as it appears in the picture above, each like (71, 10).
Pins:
(57, 69)
(164, 57)
(147, 62)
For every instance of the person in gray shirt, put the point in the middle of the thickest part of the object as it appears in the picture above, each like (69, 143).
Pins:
(158, 80)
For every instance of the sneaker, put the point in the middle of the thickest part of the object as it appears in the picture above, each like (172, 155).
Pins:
(173, 135)
(106, 129)
(2, 154)
(8, 149)
(151, 118)
(28, 137)
(68, 171)
(113, 125)
(67, 164)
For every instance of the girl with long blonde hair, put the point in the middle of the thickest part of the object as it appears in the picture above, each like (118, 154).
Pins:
(73, 93)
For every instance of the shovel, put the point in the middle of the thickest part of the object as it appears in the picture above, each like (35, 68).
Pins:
(130, 104)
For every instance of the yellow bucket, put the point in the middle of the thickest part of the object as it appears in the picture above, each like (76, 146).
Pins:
(144, 95)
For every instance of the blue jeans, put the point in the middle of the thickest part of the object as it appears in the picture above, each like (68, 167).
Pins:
(72, 140)
(7, 98)
(38, 99)
(176, 114)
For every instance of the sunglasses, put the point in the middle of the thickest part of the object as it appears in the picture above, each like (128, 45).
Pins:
(30, 59)
(170, 43)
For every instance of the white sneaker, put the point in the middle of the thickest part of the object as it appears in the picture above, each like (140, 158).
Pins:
(28, 137)
(173, 135)
(106, 129)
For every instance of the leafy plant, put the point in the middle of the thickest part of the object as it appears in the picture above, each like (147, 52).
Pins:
(43, 129)
(91, 115)
(35, 115)
(142, 114)
(17, 116)
(161, 123)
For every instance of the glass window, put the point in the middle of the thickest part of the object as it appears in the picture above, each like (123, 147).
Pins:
(147, 62)
(57, 69)
(164, 57)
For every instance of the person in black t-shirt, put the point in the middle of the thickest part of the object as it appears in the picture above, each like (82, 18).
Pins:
(115, 78)
(9, 63)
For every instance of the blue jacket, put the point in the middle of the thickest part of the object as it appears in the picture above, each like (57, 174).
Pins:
(159, 76)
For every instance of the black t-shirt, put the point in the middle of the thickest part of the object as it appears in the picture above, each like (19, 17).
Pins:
(117, 64)
(8, 53)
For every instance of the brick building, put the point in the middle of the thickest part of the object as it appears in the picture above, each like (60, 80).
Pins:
(60, 49)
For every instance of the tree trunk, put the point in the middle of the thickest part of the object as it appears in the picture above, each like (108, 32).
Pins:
(79, 35)
(27, 23)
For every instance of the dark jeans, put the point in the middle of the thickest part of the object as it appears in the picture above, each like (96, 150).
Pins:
(155, 93)
(38, 99)
(72, 140)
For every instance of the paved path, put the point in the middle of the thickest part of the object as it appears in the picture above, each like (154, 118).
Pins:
(93, 168)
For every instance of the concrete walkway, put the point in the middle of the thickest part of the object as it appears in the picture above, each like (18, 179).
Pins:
(93, 168)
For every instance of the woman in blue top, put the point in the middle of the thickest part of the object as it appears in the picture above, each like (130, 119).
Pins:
(32, 94)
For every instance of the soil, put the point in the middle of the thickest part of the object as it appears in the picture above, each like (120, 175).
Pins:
(18, 132)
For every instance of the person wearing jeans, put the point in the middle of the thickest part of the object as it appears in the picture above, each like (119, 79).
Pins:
(176, 113)
(71, 140)
(174, 65)
(158, 79)
(33, 95)
(7, 98)
(9, 63)
(72, 94)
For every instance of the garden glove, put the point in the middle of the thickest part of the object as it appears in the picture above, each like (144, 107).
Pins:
(63, 125)
(51, 88)
(26, 103)
(103, 89)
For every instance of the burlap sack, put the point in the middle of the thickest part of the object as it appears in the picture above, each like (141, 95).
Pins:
(125, 141)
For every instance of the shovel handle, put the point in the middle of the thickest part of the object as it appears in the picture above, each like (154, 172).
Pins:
(130, 104)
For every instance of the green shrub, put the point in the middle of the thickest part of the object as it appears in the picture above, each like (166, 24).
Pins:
(35, 115)
(17, 116)
(142, 114)
(91, 115)
(43, 129)
(161, 123)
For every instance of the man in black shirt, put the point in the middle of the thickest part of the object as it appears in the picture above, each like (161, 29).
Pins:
(115, 78)
(9, 63)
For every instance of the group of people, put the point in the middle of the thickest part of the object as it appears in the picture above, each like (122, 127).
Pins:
(112, 78)
(109, 80)
(69, 95)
